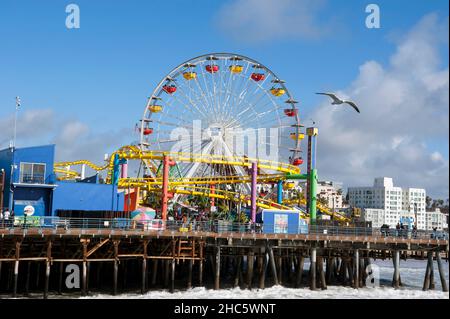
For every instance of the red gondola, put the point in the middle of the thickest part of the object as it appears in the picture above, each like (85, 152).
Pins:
(258, 77)
(291, 112)
(170, 89)
(297, 161)
(212, 68)
(148, 131)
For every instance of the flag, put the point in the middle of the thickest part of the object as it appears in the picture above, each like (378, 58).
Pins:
(17, 102)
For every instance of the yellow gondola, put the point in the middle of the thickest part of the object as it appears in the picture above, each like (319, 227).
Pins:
(155, 108)
(189, 75)
(296, 136)
(277, 91)
(289, 185)
(236, 68)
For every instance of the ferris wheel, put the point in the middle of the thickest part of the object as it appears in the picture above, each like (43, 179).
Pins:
(221, 104)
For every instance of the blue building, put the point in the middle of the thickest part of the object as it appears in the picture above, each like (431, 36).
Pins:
(29, 180)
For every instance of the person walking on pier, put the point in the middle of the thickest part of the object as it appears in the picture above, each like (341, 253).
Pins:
(5, 218)
(414, 231)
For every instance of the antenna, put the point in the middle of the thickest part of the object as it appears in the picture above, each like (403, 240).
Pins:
(18, 102)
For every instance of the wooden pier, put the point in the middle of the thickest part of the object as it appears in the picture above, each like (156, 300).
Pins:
(35, 260)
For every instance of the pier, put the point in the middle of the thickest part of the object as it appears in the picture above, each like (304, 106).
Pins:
(177, 256)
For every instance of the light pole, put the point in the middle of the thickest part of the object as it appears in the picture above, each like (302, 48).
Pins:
(15, 122)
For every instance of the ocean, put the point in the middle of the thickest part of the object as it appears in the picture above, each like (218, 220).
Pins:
(412, 274)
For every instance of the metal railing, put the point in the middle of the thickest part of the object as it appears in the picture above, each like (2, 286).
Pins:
(218, 226)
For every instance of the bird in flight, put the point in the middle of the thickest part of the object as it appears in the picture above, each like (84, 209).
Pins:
(338, 101)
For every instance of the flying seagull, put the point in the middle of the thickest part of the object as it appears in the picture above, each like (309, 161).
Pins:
(338, 101)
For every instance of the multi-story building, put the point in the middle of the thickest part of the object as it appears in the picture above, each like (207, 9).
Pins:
(397, 203)
(433, 219)
(331, 192)
(374, 215)
(413, 202)
(436, 220)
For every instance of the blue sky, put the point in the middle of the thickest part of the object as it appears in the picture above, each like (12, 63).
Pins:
(100, 75)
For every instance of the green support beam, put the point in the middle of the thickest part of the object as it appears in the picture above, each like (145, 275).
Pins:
(296, 176)
(313, 196)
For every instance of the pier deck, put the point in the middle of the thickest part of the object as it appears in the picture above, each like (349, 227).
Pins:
(212, 258)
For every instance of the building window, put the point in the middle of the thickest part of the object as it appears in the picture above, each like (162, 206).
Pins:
(32, 173)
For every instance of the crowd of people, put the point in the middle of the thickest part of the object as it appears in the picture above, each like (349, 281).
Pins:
(403, 230)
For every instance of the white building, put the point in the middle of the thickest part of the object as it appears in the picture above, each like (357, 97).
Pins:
(374, 215)
(331, 192)
(436, 219)
(394, 201)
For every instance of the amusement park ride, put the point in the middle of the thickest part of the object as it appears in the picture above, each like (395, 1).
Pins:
(187, 131)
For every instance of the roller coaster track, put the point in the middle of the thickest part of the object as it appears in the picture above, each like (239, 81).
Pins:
(132, 152)
(324, 209)
(223, 194)
(189, 186)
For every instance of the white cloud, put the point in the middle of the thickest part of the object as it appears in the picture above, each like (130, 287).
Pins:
(31, 125)
(403, 105)
(74, 139)
(264, 20)
(437, 157)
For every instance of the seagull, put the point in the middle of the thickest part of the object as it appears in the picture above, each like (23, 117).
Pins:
(338, 101)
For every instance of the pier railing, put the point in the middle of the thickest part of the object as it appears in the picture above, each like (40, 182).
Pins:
(218, 226)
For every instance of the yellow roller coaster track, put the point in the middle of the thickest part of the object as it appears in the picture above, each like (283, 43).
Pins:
(189, 186)
(132, 152)
(222, 194)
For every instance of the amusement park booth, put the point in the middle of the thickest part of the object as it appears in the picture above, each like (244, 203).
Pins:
(29, 180)
(282, 222)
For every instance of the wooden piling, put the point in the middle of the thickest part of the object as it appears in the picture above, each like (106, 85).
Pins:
(84, 269)
(60, 279)
(166, 272)
(432, 286)
(313, 269)
(323, 283)
(16, 268)
(172, 285)
(116, 266)
(189, 280)
(250, 263)
(426, 280)
(27, 280)
(144, 267)
(47, 269)
(356, 266)
(441, 272)
(280, 267)
(350, 271)
(396, 281)
(144, 276)
(301, 263)
(272, 265)
(217, 270)
(262, 275)
(154, 271)
(200, 265)
(47, 278)
(237, 271)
